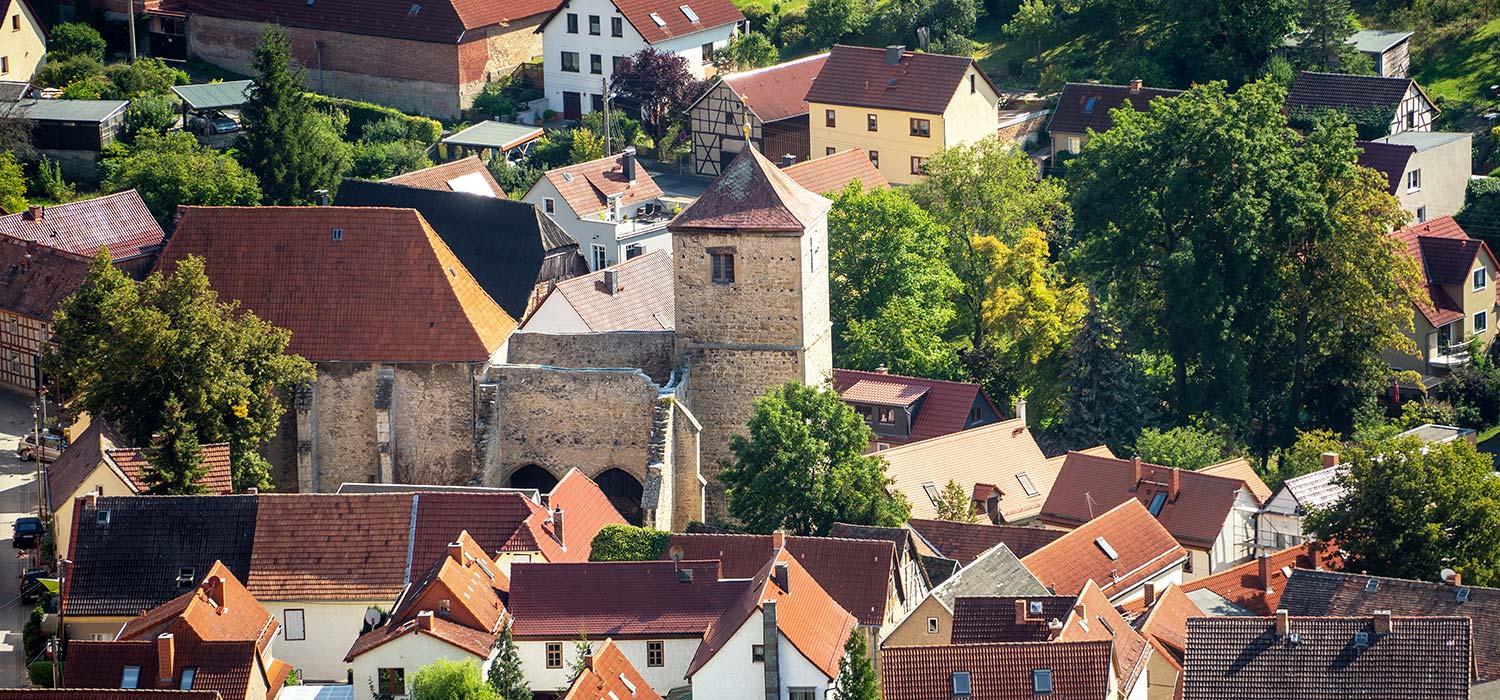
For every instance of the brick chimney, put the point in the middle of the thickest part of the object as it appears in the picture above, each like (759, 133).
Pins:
(1330, 459)
(1263, 563)
(612, 282)
(1176, 483)
(1456, 579)
(1382, 622)
(1135, 472)
(166, 649)
(1283, 623)
(456, 551)
(35, 213)
(1150, 591)
(424, 620)
(781, 575)
(1020, 611)
(778, 540)
(1135, 86)
(882, 369)
(557, 525)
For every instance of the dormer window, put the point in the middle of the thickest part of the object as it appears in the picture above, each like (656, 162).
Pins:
(886, 415)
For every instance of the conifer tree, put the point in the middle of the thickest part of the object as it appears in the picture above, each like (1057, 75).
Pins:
(1105, 400)
(291, 147)
(177, 462)
(506, 675)
(857, 679)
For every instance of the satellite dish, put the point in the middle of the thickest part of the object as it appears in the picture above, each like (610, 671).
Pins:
(1446, 575)
(675, 553)
(372, 617)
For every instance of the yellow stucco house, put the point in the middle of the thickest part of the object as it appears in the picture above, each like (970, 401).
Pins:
(899, 106)
(23, 42)
(1459, 305)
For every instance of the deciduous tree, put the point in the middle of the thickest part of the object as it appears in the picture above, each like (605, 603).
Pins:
(1305, 456)
(12, 184)
(658, 83)
(446, 679)
(628, 543)
(173, 169)
(1184, 447)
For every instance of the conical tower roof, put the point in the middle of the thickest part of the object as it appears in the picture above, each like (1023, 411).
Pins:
(753, 195)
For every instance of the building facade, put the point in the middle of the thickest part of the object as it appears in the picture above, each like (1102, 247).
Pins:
(771, 102)
(23, 42)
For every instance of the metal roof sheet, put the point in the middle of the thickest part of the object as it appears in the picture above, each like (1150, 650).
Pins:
(215, 95)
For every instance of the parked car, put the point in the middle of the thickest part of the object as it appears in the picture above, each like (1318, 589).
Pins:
(213, 123)
(27, 533)
(54, 446)
(31, 586)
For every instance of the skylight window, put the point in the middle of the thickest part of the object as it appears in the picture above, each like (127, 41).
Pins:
(1372, 585)
(131, 677)
(658, 20)
(1361, 639)
(1088, 107)
(628, 685)
(688, 12)
(1104, 546)
(1157, 501)
(1463, 595)
(961, 685)
(414, 9)
(188, 674)
(1041, 681)
(932, 492)
(1035, 606)
(1026, 484)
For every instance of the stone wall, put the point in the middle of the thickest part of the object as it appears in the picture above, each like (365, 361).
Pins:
(432, 418)
(763, 304)
(493, 52)
(649, 351)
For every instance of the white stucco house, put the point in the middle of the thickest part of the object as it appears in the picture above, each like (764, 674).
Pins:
(611, 206)
(583, 41)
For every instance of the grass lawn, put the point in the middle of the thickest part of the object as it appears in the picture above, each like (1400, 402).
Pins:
(1462, 67)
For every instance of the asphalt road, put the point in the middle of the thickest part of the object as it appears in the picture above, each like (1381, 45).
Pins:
(17, 499)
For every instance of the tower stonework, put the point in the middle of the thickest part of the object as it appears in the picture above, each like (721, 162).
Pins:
(751, 287)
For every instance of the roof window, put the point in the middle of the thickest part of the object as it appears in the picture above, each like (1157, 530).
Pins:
(415, 8)
(1109, 551)
(1361, 639)
(932, 492)
(338, 234)
(1041, 681)
(688, 12)
(1026, 484)
(962, 687)
(658, 20)
(628, 685)
(1035, 606)
(102, 517)
(1157, 501)
(568, 177)
(1372, 585)
(1462, 596)
(188, 674)
(185, 578)
(130, 678)
(1088, 107)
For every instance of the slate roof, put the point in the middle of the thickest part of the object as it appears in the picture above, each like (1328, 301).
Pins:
(945, 405)
(35, 279)
(218, 609)
(996, 573)
(66, 475)
(858, 76)
(1243, 657)
(133, 463)
(1440, 261)
(965, 542)
(1257, 585)
(1194, 515)
(1344, 91)
(389, 290)
(831, 174)
(643, 16)
(777, 92)
(1080, 670)
(985, 619)
(439, 21)
(508, 246)
(623, 600)
(1000, 456)
(587, 187)
(644, 298)
(462, 175)
(610, 676)
(857, 573)
(752, 195)
(1335, 593)
(1075, 115)
(119, 222)
(1388, 159)
(1143, 547)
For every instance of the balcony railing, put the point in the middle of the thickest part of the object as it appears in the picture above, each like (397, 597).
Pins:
(1455, 355)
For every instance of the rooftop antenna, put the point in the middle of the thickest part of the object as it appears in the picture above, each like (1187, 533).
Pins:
(675, 552)
(1089, 497)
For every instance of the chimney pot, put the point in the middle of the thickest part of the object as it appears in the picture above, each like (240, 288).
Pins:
(1135, 86)
(1283, 623)
(1330, 459)
(1021, 408)
(627, 163)
(612, 282)
(165, 658)
(882, 369)
(1020, 611)
(1382, 622)
(35, 213)
(1150, 590)
(788, 160)
(456, 551)
(893, 55)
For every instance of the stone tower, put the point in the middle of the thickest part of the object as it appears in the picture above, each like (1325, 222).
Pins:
(751, 299)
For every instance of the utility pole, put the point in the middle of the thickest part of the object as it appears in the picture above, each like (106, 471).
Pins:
(607, 149)
(130, 15)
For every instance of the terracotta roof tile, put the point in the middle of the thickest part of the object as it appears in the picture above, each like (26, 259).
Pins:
(1001, 454)
(119, 222)
(466, 638)
(226, 667)
(586, 187)
(964, 542)
(1339, 90)
(586, 510)
(303, 550)
(984, 619)
(857, 573)
(831, 174)
(859, 76)
(1256, 585)
(66, 475)
(1165, 624)
(219, 609)
(617, 599)
(35, 279)
(132, 461)
(944, 411)
(1094, 618)
(752, 195)
(610, 676)
(105, 694)
(643, 299)
(1084, 106)
(643, 16)
(396, 290)
(1002, 671)
(1143, 547)
(1194, 515)
(777, 92)
(1389, 159)
(1444, 263)
(1239, 468)
(469, 174)
(1243, 657)
(442, 21)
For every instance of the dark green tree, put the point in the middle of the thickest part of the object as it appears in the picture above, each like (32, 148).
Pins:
(857, 678)
(173, 169)
(828, 21)
(803, 467)
(628, 543)
(506, 675)
(1106, 400)
(293, 149)
(1326, 24)
(177, 459)
(1411, 510)
(75, 39)
(1305, 456)
(1205, 40)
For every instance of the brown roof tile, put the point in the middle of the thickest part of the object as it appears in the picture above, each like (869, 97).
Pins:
(303, 550)
(831, 174)
(1256, 585)
(642, 15)
(1143, 547)
(752, 195)
(35, 279)
(1094, 618)
(1165, 624)
(1239, 468)
(945, 409)
(229, 668)
(133, 462)
(219, 609)
(1389, 159)
(395, 290)
(1003, 455)
(119, 222)
(586, 187)
(1421, 243)
(777, 92)
(442, 21)
(617, 599)
(1084, 106)
(1340, 90)
(66, 475)
(859, 76)
(105, 694)
(964, 542)
(1002, 671)
(610, 676)
(643, 299)
(441, 177)
(985, 619)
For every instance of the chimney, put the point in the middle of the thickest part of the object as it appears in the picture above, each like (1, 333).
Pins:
(35, 213)
(1264, 562)
(612, 281)
(1456, 579)
(1135, 471)
(769, 633)
(253, 490)
(424, 620)
(1135, 86)
(788, 160)
(627, 163)
(588, 658)
(1330, 459)
(321, 197)
(1021, 409)
(893, 55)
(165, 652)
(557, 525)
(456, 550)
(1382, 622)
(1150, 590)
(1283, 623)
(1020, 611)
(882, 369)
(1176, 484)
(778, 540)
(781, 576)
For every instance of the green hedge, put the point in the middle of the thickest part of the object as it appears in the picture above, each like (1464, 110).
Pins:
(423, 129)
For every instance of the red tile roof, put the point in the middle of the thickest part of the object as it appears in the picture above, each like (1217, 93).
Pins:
(944, 411)
(777, 92)
(857, 573)
(805, 614)
(1165, 624)
(831, 174)
(230, 668)
(303, 549)
(1084, 106)
(35, 279)
(441, 21)
(859, 76)
(119, 222)
(1257, 585)
(964, 542)
(643, 16)
(1143, 547)
(1239, 468)
(1446, 254)
(617, 599)
(426, 622)
(644, 299)
(608, 675)
(105, 694)
(1094, 618)
(586, 510)
(1194, 514)
(389, 290)
(441, 177)
(220, 609)
(587, 187)
(1001, 671)
(752, 195)
(1002, 456)
(133, 463)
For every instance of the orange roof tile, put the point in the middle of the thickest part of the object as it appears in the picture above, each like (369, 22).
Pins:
(442, 177)
(587, 187)
(945, 408)
(586, 510)
(220, 609)
(230, 668)
(608, 675)
(1003, 454)
(1257, 585)
(1143, 549)
(466, 638)
(831, 174)
(1094, 618)
(388, 289)
(133, 463)
(1165, 624)
(1440, 264)
(1239, 468)
(119, 222)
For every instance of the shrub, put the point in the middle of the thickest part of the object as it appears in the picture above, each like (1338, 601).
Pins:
(421, 129)
(494, 101)
(153, 113)
(63, 72)
(50, 182)
(74, 39)
(40, 673)
(147, 76)
(1184, 447)
(385, 130)
(629, 543)
(378, 161)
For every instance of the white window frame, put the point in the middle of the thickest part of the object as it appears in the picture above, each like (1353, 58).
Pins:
(1481, 322)
(1075, 145)
(130, 677)
(1481, 278)
(300, 627)
(1421, 214)
(1414, 180)
(932, 625)
(600, 256)
(549, 205)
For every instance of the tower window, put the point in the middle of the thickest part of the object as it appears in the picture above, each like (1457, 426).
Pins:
(723, 267)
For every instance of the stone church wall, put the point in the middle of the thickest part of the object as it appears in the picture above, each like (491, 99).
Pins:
(649, 351)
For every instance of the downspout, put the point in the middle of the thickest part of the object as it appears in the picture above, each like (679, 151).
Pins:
(318, 48)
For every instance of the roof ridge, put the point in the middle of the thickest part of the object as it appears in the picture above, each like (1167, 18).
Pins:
(767, 69)
(970, 432)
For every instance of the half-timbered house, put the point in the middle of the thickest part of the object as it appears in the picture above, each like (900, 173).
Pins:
(771, 100)
(1361, 96)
